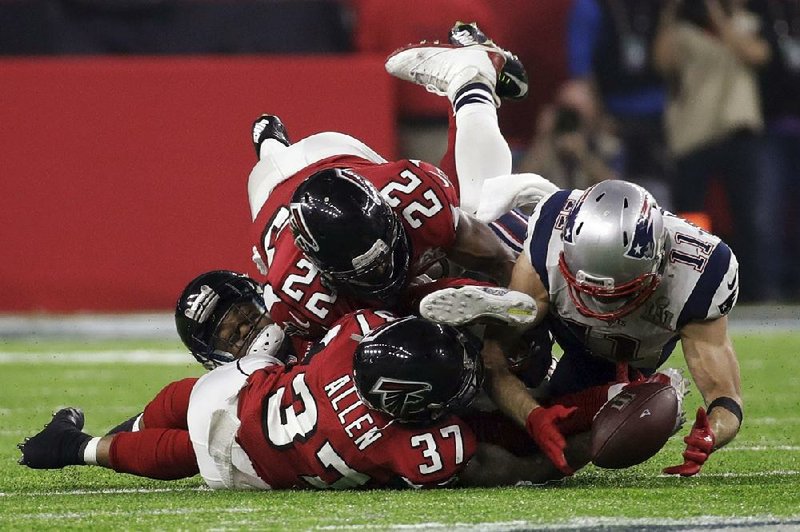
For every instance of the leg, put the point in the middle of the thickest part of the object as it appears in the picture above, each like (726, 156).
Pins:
(169, 408)
(166, 410)
(467, 76)
(163, 454)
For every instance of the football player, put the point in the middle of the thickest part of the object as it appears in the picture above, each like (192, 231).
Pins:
(338, 228)
(619, 281)
(220, 317)
(373, 406)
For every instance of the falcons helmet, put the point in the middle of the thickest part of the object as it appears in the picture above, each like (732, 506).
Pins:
(351, 234)
(416, 370)
(218, 314)
(614, 248)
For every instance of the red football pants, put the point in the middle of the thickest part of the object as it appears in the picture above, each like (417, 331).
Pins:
(163, 449)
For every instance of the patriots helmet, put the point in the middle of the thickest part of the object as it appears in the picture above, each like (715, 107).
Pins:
(615, 244)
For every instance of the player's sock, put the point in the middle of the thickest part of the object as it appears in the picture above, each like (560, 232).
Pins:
(473, 93)
(164, 454)
(481, 151)
(90, 452)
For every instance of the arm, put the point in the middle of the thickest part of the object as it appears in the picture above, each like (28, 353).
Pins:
(478, 248)
(493, 465)
(715, 370)
(664, 47)
(748, 47)
(507, 391)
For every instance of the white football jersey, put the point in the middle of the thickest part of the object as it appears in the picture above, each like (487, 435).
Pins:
(700, 282)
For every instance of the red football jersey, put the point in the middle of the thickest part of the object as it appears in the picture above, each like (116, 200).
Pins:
(294, 293)
(306, 427)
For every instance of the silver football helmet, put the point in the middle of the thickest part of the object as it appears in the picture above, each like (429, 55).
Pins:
(614, 249)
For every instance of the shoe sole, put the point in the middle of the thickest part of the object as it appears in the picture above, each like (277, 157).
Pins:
(399, 60)
(465, 305)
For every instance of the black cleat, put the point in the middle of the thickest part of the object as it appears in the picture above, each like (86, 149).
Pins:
(512, 80)
(268, 127)
(60, 444)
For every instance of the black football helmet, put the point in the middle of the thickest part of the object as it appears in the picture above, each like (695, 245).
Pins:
(351, 234)
(205, 304)
(416, 370)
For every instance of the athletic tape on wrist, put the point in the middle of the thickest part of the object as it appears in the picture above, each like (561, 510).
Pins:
(728, 404)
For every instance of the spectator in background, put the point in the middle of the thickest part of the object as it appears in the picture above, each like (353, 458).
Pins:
(780, 154)
(573, 146)
(609, 45)
(710, 51)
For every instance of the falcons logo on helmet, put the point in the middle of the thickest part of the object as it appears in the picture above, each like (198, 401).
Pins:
(302, 234)
(399, 397)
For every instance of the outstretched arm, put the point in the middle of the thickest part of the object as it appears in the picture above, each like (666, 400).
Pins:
(506, 390)
(493, 465)
(477, 248)
(715, 371)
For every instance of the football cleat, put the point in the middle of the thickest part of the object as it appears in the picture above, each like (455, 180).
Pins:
(59, 444)
(470, 304)
(443, 68)
(268, 127)
(512, 80)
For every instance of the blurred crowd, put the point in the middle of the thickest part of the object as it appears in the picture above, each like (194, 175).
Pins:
(697, 100)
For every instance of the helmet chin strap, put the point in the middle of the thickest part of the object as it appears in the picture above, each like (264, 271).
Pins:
(267, 342)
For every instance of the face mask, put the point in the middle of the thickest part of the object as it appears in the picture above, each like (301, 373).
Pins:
(267, 342)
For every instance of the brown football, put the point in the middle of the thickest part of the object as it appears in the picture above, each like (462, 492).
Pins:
(634, 425)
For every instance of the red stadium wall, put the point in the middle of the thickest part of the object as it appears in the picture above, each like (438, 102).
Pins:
(123, 178)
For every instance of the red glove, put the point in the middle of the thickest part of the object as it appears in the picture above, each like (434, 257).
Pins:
(541, 426)
(699, 445)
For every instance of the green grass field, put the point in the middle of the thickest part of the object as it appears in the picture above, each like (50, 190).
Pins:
(754, 482)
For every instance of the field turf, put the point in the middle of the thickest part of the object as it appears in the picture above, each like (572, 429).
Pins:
(753, 483)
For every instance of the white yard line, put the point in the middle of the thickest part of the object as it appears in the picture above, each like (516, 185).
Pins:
(100, 492)
(601, 523)
(138, 356)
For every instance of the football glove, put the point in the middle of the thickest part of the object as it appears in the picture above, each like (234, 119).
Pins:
(699, 445)
(541, 426)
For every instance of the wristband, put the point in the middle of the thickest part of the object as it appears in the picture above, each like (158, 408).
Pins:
(728, 404)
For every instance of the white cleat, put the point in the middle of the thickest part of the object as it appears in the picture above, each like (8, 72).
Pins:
(468, 304)
(444, 68)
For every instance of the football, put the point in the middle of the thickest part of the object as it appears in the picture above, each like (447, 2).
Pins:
(634, 425)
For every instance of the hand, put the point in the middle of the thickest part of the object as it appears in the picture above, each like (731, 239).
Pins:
(699, 445)
(541, 426)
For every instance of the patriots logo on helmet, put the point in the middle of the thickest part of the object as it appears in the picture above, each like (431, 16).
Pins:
(202, 304)
(643, 244)
(399, 397)
(568, 233)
